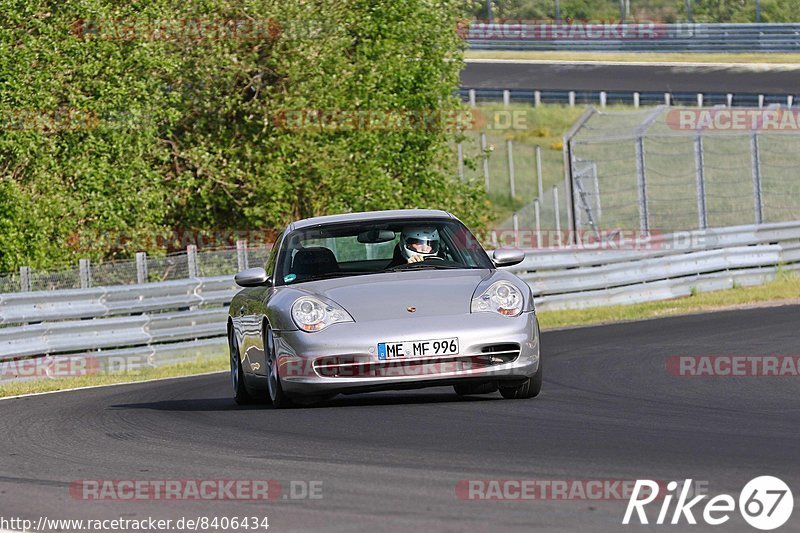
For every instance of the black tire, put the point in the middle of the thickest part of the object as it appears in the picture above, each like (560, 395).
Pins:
(467, 389)
(274, 388)
(240, 394)
(530, 388)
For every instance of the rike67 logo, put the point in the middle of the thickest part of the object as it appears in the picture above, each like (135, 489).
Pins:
(765, 503)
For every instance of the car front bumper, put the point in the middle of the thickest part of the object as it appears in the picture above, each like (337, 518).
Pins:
(343, 358)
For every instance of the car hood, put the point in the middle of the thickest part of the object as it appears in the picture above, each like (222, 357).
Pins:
(391, 295)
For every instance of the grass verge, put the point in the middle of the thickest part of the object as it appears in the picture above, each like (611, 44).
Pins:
(187, 368)
(637, 57)
(784, 289)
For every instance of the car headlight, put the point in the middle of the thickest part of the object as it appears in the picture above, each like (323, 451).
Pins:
(312, 314)
(501, 297)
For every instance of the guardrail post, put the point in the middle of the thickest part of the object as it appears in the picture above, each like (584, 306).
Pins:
(603, 99)
(472, 97)
(699, 169)
(511, 180)
(85, 272)
(699, 99)
(242, 259)
(644, 217)
(667, 99)
(141, 267)
(537, 214)
(730, 99)
(485, 153)
(760, 100)
(191, 257)
(755, 158)
(571, 97)
(636, 99)
(515, 219)
(460, 164)
(25, 279)
(789, 101)
(537, 98)
(506, 98)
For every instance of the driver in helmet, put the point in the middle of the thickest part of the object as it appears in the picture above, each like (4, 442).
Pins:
(417, 243)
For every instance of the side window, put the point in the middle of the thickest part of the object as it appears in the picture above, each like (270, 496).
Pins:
(273, 256)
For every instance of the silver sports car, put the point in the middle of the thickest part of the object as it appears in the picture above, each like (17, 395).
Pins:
(379, 301)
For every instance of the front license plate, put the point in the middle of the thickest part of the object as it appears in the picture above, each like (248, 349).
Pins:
(429, 348)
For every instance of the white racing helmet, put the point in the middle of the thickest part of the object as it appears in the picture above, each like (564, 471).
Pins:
(419, 235)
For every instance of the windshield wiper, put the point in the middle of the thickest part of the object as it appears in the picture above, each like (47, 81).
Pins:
(422, 265)
(330, 275)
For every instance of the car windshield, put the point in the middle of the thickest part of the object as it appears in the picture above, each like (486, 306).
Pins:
(352, 249)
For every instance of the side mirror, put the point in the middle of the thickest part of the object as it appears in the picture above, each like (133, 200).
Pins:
(252, 277)
(504, 257)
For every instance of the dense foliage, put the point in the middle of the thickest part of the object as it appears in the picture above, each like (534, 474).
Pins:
(112, 131)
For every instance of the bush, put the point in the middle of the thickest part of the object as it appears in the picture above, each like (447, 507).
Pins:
(191, 133)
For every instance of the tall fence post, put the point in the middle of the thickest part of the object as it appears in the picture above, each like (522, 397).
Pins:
(537, 214)
(460, 161)
(699, 170)
(755, 158)
(644, 216)
(557, 214)
(191, 256)
(85, 269)
(511, 177)
(485, 161)
(25, 279)
(141, 267)
(539, 171)
(242, 260)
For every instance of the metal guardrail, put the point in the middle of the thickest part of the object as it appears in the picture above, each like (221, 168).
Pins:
(575, 278)
(158, 323)
(602, 99)
(634, 37)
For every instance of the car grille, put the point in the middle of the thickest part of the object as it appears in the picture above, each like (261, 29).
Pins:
(366, 367)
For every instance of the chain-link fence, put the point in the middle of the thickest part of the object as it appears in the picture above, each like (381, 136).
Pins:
(671, 169)
(143, 269)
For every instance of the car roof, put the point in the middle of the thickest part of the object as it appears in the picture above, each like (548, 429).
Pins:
(368, 216)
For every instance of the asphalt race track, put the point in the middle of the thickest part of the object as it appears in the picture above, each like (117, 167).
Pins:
(391, 461)
(642, 78)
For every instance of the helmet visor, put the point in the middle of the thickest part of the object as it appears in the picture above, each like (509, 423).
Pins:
(423, 246)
